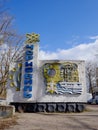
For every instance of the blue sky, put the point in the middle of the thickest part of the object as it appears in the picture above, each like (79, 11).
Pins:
(62, 24)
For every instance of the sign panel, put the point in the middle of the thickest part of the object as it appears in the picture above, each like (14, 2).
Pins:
(28, 72)
(62, 78)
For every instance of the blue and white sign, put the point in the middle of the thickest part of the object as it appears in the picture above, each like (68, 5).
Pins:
(28, 72)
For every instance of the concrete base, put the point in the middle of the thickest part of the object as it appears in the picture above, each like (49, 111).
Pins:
(7, 110)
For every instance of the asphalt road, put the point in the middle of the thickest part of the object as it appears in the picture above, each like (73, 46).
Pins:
(87, 120)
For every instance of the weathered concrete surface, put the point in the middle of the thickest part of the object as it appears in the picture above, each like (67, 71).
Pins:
(87, 120)
(7, 110)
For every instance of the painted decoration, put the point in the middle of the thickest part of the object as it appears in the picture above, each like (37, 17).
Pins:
(69, 72)
(15, 76)
(62, 78)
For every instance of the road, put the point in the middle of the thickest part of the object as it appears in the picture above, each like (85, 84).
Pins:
(87, 120)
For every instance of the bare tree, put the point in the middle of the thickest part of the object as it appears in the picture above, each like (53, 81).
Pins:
(11, 48)
(91, 75)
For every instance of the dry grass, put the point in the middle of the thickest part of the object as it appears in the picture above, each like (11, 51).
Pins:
(7, 122)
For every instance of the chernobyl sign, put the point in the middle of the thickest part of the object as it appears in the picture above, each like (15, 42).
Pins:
(28, 64)
(28, 72)
(58, 77)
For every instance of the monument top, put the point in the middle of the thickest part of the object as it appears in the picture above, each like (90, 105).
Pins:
(32, 38)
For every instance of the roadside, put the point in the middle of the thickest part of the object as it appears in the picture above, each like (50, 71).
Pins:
(92, 107)
(56, 121)
(7, 122)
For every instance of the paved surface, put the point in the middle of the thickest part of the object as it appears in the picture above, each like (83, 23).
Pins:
(87, 120)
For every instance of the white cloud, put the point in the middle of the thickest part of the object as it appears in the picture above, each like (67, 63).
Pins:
(94, 37)
(83, 51)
